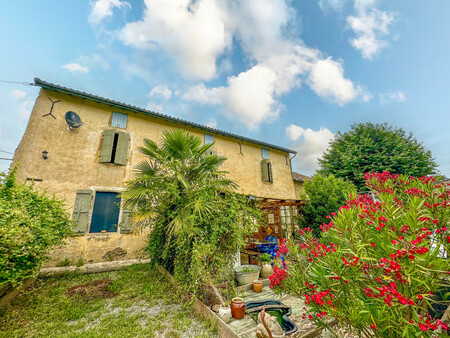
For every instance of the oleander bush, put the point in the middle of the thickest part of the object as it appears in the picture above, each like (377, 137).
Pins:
(380, 261)
(31, 223)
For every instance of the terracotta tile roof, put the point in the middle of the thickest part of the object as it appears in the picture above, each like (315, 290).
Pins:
(300, 177)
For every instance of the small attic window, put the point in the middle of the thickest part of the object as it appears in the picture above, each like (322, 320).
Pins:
(265, 153)
(119, 120)
(209, 138)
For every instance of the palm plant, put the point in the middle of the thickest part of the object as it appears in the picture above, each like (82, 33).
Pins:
(177, 174)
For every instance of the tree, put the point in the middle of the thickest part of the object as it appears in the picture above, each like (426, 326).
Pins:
(196, 219)
(324, 195)
(371, 147)
(31, 223)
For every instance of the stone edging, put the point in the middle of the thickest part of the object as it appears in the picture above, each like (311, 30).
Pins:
(8, 293)
(91, 268)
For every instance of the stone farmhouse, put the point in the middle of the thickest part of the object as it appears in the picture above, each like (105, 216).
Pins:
(89, 165)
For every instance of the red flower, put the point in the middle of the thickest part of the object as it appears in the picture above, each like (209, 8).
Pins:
(373, 327)
(372, 244)
(423, 327)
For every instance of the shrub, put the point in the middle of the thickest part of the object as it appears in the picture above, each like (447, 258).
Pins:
(197, 221)
(324, 195)
(30, 224)
(379, 263)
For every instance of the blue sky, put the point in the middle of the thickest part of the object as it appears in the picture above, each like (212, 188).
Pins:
(292, 73)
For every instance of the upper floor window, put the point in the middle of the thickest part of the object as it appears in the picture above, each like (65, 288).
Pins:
(119, 120)
(265, 153)
(209, 138)
(115, 147)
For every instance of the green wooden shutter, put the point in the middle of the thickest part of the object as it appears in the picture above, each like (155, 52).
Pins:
(265, 171)
(269, 170)
(122, 148)
(126, 225)
(108, 142)
(81, 211)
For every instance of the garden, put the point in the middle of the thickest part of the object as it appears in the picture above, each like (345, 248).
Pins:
(371, 265)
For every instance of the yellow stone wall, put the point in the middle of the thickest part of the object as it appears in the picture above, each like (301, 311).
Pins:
(299, 189)
(73, 163)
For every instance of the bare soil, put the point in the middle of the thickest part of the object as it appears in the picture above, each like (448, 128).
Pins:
(92, 290)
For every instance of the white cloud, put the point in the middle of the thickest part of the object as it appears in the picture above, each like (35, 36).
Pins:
(200, 94)
(76, 68)
(153, 106)
(24, 110)
(18, 94)
(392, 96)
(371, 26)
(328, 81)
(331, 4)
(194, 33)
(310, 146)
(161, 92)
(212, 123)
(102, 9)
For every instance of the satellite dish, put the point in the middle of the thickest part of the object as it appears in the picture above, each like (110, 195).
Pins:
(73, 120)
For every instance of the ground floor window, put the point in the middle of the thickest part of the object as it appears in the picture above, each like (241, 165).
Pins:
(105, 215)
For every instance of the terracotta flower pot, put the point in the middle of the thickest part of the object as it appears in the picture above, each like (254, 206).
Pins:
(257, 286)
(237, 308)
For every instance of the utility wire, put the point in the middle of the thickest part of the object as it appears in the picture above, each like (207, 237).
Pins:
(7, 159)
(8, 152)
(16, 82)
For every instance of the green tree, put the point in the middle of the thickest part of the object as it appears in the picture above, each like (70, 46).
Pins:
(371, 147)
(324, 195)
(196, 220)
(31, 223)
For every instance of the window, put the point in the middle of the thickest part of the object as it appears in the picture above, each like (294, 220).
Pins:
(288, 214)
(115, 147)
(105, 215)
(209, 138)
(266, 168)
(265, 153)
(119, 120)
(285, 213)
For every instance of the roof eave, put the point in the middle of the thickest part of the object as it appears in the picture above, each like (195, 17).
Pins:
(50, 86)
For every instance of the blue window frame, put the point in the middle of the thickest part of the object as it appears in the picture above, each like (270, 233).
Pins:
(265, 153)
(105, 215)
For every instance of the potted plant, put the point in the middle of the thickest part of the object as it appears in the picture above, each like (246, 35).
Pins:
(266, 265)
(246, 274)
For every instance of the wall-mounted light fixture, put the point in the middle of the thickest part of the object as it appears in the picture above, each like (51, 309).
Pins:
(45, 154)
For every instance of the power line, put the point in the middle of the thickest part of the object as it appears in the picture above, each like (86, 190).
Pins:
(16, 82)
(7, 159)
(8, 152)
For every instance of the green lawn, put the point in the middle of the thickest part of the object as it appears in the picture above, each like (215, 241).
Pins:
(135, 302)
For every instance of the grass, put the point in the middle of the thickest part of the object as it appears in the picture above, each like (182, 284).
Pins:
(134, 302)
